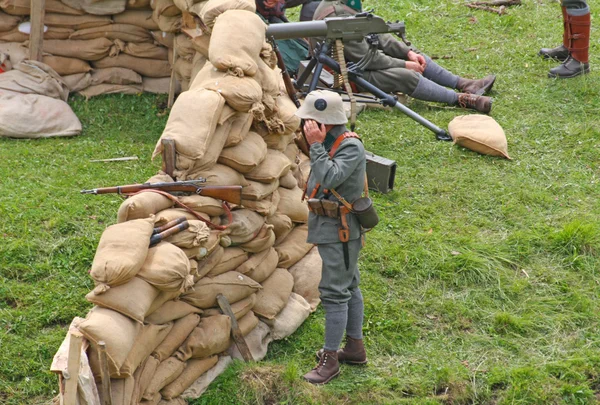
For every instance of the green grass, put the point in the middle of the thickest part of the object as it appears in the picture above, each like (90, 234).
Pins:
(481, 282)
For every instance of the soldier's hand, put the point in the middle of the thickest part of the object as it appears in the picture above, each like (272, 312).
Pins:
(417, 58)
(314, 132)
(415, 67)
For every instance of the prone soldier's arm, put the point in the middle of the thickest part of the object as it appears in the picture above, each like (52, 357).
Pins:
(355, 50)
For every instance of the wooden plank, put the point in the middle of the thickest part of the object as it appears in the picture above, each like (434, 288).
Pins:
(168, 156)
(236, 333)
(71, 375)
(36, 38)
(173, 83)
(104, 374)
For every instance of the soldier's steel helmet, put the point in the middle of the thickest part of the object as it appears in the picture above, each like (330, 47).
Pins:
(323, 106)
(354, 4)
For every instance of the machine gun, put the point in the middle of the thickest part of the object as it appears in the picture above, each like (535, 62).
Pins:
(353, 28)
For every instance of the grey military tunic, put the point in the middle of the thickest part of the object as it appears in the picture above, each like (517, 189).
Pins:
(346, 174)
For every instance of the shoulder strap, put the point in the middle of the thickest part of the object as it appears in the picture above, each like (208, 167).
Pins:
(339, 141)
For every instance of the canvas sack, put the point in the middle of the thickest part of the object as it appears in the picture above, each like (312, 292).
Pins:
(210, 337)
(278, 141)
(22, 7)
(124, 32)
(240, 128)
(8, 22)
(143, 66)
(246, 155)
(75, 22)
(263, 240)
(257, 191)
(239, 309)
(202, 383)
(91, 49)
(193, 370)
(294, 247)
(196, 234)
(140, 18)
(116, 75)
(244, 226)
(200, 203)
(178, 334)
(143, 205)
(218, 175)
(66, 66)
(290, 318)
(78, 81)
(479, 133)
(261, 265)
(307, 276)
(145, 376)
(274, 295)
(282, 226)
(232, 258)
(214, 8)
(102, 89)
(170, 214)
(148, 339)
(292, 205)
(214, 149)
(121, 391)
(275, 165)
(206, 264)
(266, 207)
(258, 342)
(167, 268)
(288, 181)
(32, 77)
(159, 85)
(171, 311)
(166, 373)
(233, 285)
(144, 50)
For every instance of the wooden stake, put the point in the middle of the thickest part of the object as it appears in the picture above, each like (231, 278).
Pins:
(36, 37)
(236, 333)
(71, 375)
(172, 84)
(168, 156)
(104, 374)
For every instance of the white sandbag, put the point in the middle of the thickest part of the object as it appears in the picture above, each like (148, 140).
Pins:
(32, 77)
(290, 318)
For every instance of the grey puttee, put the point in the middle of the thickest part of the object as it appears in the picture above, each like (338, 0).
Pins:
(430, 91)
(439, 75)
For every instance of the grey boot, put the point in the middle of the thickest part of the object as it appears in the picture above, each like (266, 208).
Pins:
(560, 53)
(570, 68)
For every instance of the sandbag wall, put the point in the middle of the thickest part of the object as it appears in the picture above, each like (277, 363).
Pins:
(156, 308)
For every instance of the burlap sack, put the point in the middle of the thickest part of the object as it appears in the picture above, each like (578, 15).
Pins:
(192, 128)
(240, 128)
(162, 298)
(116, 76)
(294, 247)
(137, 4)
(201, 42)
(166, 373)
(286, 111)
(140, 18)
(198, 63)
(78, 81)
(268, 79)
(91, 49)
(202, 383)
(232, 258)
(121, 251)
(263, 240)
(180, 331)
(58, 33)
(258, 342)
(124, 32)
(233, 285)
(186, 5)
(170, 214)
(66, 66)
(99, 7)
(171, 311)
(8, 22)
(275, 165)
(183, 73)
(167, 268)
(193, 370)
(18, 53)
(282, 226)
(219, 175)
(117, 331)
(244, 225)
(145, 376)
(132, 299)
(166, 15)
(292, 205)
(278, 141)
(163, 38)
(290, 318)
(22, 7)
(159, 85)
(14, 35)
(479, 133)
(195, 235)
(209, 262)
(210, 337)
(148, 340)
(303, 170)
(143, 66)
(184, 46)
(307, 276)
(214, 149)
(145, 204)
(246, 155)
(200, 252)
(288, 181)
(244, 94)
(274, 295)
(199, 203)
(239, 309)
(247, 324)
(156, 400)
(257, 191)
(121, 391)
(146, 50)
(292, 152)
(266, 207)
(32, 77)
(214, 8)
(75, 22)
(102, 89)
(174, 401)
(260, 266)
(165, 7)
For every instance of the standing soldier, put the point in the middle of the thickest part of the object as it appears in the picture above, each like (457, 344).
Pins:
(338, 170)
(573, 53)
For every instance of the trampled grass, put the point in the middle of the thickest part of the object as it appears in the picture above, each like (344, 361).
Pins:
(481, 282)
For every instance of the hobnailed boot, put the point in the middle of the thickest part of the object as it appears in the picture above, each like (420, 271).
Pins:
(327, 369)
(578, 31)
(478, 87)
(353, 352)
(482, 104)
(561, 52)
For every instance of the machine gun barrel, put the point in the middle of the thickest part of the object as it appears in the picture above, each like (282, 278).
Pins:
(307, 29)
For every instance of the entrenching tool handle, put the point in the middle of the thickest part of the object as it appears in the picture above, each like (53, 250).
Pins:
(159, 237)
(168, 225)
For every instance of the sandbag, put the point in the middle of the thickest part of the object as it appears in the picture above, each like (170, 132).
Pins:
(303, 171)
(183, 73)
(196, 234)
(75, 22)
(275, 165)
(307, 276)
(258, 342)
(163, 38)
(16, 51)
(292, 152)
(261, 265)
(54, 117)
(200, 252)
(140, 18)
(202, 383)
(240, 127)
(116, 75)
(282, 226)
(215, 147)
(210, 337)
(199, 203)
(247, 323)
(294, 247)
(288, 181)
(266, 207)
(137, 4)
(99, 7)
(78, 81)
(292, 205)
(66, 66)
(148, 339)
(166, 15)
(32, 77)
(193, 370)
(246, 155)
(121, 391)
(124, 32)
(274, 295)
(209, 262)
(214, 8)
(263, 240)
(159, 85)
(162, 298)
(166, 373)
(171, 311)
(91, 49)
(8, 22)
(286, 111)
(184, 46)
(290, 318)
(102, 89)
(479, 133)
(198, 63)
(257, 191)
(268, 79)
(179, 332)
(132, 299)
(165, 7)
(233, 285)
(232, 258)
(167, 268)
(278, 141)
(171, 214)
(201, 42)
(121, 252)
(144, 50)
(148, 369)
(142, 205)
(143, 66)
(22, 7)
(239, 309)
(244, 225)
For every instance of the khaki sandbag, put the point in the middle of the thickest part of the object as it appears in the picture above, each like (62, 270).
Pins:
(163, 38)
(233, 285)
(91, 49)
(171, 311)
(75, 22)
(180, 331)
(266, 207)
(121, 391)
(146, 50)
(166, 15)
(200, 252)
(32, 77)
(143, 205)
(258, 342)
(148, 339)
(201, 42)
(193, 370)
(199, 203)
(198, 63)
(117, 331)
(183, 72)
(124, 32)
(303, 170)
(214, 149)
(132, 299)
(184, 47)
(8, 22)
(274, 295)
(143, 66)
(292, 152)
(168, 215)
(166, 373)
(263, 240)
(167, 268)
(210, 337)
(209, 262)
(165, 7)
(66, 66)
(148, 370)
(173, 401)
(192, 128)
(232, 258)
(268, 79)
(261, 265)
(294, 247)
(219, 175)
(162, 298)
(247, 323)
(278, 141)
(290, 318)
(121, 251)
(78, 81)
(292, 205)
(286, 111)
(14, 35)
(240, 128)
(257, 191)
(186, 5)
(156, 400)
(246, 155)
(479, 133)
(282, 225)
(214, 8)
(22, 7)
(202, 383)
(117, 75)
(275, 165)
(288, 181)
(244, 94)
(159, 85)
(102, 89)
(137, 4)
(16, 51)
(239, 308)
(141, 18)
(196, 234)
(99, 7)
(244, 225)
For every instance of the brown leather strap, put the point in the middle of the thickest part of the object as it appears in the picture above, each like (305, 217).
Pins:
(344, 229)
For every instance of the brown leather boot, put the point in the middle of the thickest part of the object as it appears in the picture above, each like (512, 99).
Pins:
(327, 369)
(353, 352)
(578, 31)
(561, 52)
(478, 87)
(479, 103)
